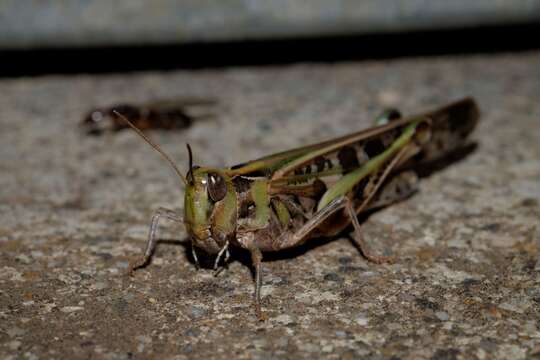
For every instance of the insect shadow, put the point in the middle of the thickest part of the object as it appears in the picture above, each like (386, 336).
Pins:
(241, 255)
(429, 167)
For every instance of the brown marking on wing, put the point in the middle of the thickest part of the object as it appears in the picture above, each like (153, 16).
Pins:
(347, 158)
(314, 190)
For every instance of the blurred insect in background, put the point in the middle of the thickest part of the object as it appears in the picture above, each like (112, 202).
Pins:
(162, 114)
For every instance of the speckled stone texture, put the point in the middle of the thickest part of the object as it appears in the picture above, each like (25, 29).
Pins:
(75, 209)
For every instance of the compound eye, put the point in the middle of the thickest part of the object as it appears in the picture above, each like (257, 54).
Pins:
(217, 188)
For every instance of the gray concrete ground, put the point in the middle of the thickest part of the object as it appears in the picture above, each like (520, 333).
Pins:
(75, 209)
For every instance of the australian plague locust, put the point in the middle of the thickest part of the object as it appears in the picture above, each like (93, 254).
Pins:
(283, 200)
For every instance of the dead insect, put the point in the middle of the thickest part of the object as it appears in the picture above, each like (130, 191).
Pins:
(283, 200)
(163, 114)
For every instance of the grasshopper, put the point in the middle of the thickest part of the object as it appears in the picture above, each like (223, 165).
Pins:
(285, 199)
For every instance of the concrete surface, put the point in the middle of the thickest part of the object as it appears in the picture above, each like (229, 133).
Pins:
(57, 23)
(75, 209)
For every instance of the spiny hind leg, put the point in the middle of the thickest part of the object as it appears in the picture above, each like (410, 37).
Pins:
(375, 189)
(397, 189)
(152, 238)
(336, 205)
(358, 239)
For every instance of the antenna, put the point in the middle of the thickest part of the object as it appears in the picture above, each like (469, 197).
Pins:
(152, 144)
(190, 157)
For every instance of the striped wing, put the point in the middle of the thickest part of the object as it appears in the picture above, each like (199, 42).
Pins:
(282, 163)
(450, 127)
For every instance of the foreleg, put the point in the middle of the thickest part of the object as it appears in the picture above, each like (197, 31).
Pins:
(152, 238)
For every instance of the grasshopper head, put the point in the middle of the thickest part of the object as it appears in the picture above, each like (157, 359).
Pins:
(96, 122)
(209, 203)
(209, 207)
(204, 189)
